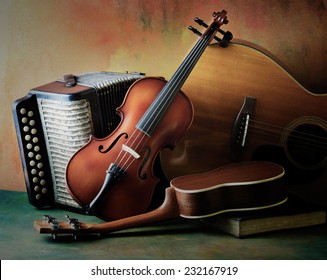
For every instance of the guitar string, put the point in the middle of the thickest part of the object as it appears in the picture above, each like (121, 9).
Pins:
(194, 56)
(299, 134)
(294, 138)
(286, 129)
(316, 145)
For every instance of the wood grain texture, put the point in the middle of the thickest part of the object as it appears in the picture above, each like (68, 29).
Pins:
(217, 88)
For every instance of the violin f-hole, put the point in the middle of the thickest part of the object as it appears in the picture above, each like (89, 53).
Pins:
(100, 148)
(145, 159)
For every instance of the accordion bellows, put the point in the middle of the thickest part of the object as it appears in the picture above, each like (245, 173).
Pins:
(54, 120)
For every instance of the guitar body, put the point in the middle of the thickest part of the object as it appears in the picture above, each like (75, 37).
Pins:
(247, 185)
(287, 124)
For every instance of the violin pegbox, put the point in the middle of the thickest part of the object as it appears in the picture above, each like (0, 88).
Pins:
(221, 19)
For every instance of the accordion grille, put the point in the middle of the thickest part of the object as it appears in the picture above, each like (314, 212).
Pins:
(67, 127)
(112, 93)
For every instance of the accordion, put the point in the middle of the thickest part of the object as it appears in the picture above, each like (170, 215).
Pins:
(54, 120)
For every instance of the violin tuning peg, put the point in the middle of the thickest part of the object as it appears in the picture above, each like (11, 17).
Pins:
(201, 22)
(227, 34)
(194, 30)
(224, 42)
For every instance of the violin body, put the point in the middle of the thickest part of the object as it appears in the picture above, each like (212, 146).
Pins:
(132, 194)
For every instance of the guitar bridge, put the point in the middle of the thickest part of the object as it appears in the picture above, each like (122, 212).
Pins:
(240, 128)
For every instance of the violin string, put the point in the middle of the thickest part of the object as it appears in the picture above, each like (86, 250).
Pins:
(121, 155)
(140, 144)
(172, 87)
(168, 91)
(188, 63)
(130, 158)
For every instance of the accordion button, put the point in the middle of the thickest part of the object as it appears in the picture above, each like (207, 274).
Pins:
(43, 182)
(41, 174)
(44, 190)
(40, 165)
(33, 171)
(24, 120)
(38, 196)
(35, 140)
(32, 122)
(38, 157)
(29, 146)
(37, 148)
(32, 163)
(30, 154)
(30, 114)
(28, 137)
(34, 131)
(26, 128)
(23, 111)
(35, 179)
(36, 188)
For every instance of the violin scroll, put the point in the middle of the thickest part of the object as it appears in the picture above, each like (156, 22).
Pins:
(220, 19)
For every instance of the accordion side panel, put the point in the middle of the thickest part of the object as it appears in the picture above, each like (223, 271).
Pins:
(33, 153)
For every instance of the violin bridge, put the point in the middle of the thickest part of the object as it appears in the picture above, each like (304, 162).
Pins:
(130, 151)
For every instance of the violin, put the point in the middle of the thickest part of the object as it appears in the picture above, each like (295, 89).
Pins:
(243, 186)
(114, 177)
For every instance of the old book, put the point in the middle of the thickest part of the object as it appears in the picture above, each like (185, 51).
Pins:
(294, 213)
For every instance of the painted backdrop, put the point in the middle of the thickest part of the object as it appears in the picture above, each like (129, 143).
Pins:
(43, 40)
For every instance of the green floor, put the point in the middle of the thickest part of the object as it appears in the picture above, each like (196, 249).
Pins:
(178, 239)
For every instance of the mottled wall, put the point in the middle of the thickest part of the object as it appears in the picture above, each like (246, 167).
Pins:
(42, 40)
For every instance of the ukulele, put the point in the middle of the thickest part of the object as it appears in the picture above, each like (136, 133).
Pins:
(244, 186)
(113, 177)
(258, 112)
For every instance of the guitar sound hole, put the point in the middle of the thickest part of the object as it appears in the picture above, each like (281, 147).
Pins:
(307, 146)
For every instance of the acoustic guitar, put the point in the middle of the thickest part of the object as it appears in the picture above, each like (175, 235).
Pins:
(238, 186)
(248, 107)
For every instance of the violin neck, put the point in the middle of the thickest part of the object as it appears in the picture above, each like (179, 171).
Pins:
(157, 109)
